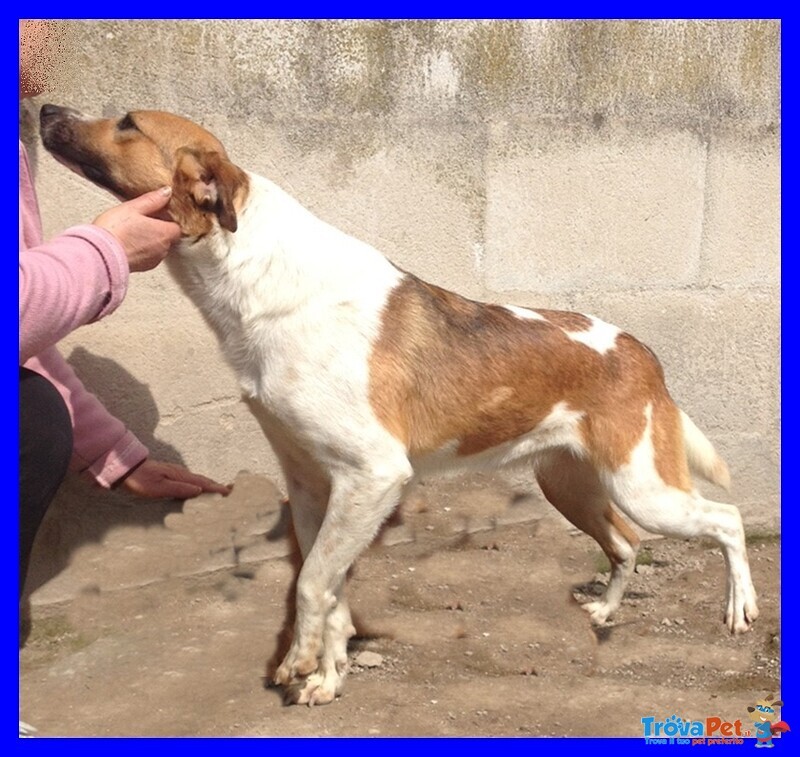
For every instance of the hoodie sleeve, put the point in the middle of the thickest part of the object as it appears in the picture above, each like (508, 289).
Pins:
(77, 278)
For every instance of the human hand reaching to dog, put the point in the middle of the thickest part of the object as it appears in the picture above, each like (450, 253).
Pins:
(146, 240)
(167, 480)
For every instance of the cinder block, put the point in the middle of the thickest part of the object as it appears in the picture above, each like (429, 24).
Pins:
(570, 208)
(53, 184)
(220, 441)
(154, 300)
(137, 368)
(754, 464)
(174, 392)
(414, 193)
(656, 71)
(742, 230)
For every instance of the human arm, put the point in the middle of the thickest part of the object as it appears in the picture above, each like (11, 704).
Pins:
(82, 275)
(155, 478)
(76, 278)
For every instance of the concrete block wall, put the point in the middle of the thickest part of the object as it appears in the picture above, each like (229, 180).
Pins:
(627, 169)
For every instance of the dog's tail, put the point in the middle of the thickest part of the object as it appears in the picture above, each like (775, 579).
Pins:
(703, 458)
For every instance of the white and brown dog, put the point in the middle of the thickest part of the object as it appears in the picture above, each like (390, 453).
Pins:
(363, 376)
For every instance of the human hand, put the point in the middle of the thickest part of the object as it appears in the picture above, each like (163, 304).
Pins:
(146, 240)
(157, 479)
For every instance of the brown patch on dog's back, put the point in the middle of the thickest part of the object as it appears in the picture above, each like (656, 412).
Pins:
(447, 369)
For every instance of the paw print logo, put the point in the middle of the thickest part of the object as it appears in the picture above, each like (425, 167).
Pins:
(672, 726)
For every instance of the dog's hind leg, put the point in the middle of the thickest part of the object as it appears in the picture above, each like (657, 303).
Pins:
(361, 499)
(683, 515)
(675, 509)
(573, 487)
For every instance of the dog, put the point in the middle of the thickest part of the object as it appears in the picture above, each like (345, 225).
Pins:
(363, 377)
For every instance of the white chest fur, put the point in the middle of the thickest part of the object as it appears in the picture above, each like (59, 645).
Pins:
(295, 303)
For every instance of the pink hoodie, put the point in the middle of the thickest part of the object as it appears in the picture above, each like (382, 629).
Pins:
(79, 277)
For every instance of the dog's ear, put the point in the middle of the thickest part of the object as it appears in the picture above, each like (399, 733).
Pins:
(205, 183)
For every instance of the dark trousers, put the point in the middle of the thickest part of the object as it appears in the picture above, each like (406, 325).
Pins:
(45, 449)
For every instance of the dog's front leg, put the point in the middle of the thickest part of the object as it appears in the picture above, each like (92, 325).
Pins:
(361, 499)
(326, 683)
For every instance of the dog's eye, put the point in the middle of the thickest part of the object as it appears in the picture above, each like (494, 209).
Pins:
(126, 123)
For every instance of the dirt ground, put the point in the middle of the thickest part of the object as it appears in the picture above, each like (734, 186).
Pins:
(469, 604)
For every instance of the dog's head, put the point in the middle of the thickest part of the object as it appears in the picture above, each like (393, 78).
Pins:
(765, 710)
(144, 150)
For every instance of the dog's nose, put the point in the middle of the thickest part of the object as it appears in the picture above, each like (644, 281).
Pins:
(48, 111)
(53, 113)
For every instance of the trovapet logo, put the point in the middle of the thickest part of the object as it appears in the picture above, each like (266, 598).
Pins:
(763, 715)
(676, 730)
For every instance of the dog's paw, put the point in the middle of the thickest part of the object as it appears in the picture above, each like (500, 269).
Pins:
(741, 620)
(316, 689)
(599, 612)
(293, 670)
(26, 731)
(298, 664)
(739, 625)
(741, 611)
